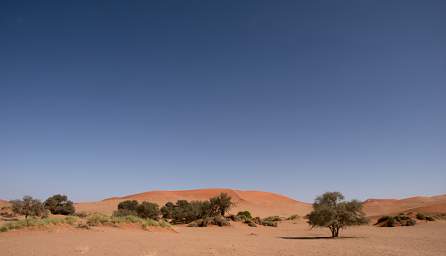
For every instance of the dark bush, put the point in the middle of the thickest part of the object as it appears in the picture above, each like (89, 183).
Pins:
(272, 218)
(220, 204)
(220, 221)
(130, 205)
(167, 210)
(59, 204)
(148, 210)
(124, 213)
(29, 206)
(430, 218)
(399, 220)
(409, 222)
(251, 223)
(420, 216)
(244, 215)
(293, 217)
(269, 223)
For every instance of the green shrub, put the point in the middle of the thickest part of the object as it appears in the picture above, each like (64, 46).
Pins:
(399, 220)
(244, 215)
(272, 218)
(251, 223)
(59, 204)
(164, 224)
(148, 210)
(126, 219)
(293, 217)
(269, 223)
(220, 204)
(34, 222)
(150, 223)
(124, 212)
(167, 210)
(130, 205)
(71, 220)
(420, 216)
(410, 222)
(29, 207)
(96, 219)
(220, 221)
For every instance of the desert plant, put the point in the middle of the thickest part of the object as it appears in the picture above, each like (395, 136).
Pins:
(148, 210)
(167, 210)
(220, 221)
(59, 204)
(124, 212)
(244, 215)
(96, 219)
(331, 211)
(130, 205)
(81, 214)
(420, 216)
(272, 218)
(220, 204)
(293, 217)
(430, 218)
(29, 206)
(269, 223)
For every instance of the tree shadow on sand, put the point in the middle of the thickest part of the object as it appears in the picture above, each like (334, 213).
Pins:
(318, 237)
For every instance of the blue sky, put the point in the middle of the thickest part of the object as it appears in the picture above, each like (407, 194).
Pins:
(104, 98)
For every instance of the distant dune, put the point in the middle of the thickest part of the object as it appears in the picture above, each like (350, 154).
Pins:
(259, 203)
(266, 203)
(378, 207)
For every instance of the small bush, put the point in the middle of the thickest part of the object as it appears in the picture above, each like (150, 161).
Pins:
(430, 218)
(399, 220)
(124, 212)
(244, 215)
(410, 222)
(269, 223)
(130, 205)
(420, 216)
(148, 210)
(293, 217)
(71, 220)
(220, 221)
(59, 204)
(252, 224)
(29, 207)
(98, 219)
(272, 218)
(150, 223)
(34, 222)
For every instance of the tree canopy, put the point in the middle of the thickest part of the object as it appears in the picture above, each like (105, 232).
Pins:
(29, 206)
(331, 211)
(59, 204)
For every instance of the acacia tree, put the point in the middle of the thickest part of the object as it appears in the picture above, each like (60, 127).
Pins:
(220, 204)
(59, 204)
(331, 211)
(29, 206)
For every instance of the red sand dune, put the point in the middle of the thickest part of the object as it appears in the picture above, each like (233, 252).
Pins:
(377, 207)
(259, 203)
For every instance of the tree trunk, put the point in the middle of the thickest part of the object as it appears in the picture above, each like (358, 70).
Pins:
(334, 231)
(26, 218)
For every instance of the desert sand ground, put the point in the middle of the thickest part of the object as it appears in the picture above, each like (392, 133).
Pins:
(288, 239)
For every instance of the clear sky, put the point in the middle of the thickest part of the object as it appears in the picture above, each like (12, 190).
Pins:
(105, 98)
